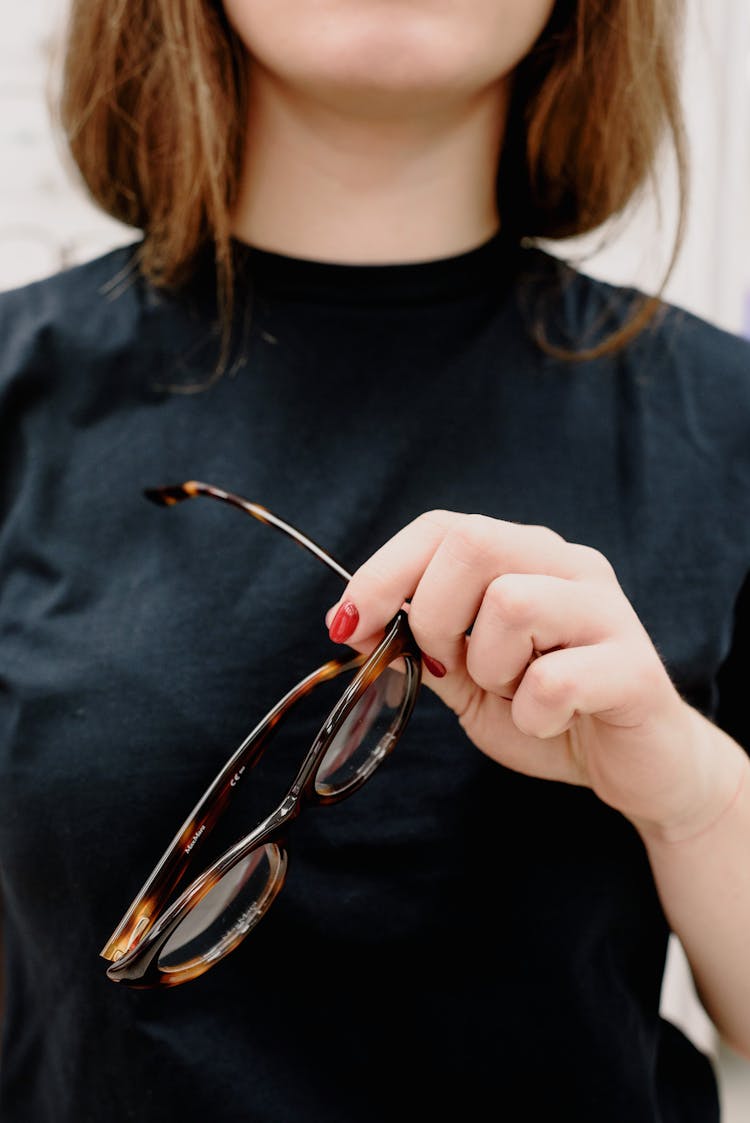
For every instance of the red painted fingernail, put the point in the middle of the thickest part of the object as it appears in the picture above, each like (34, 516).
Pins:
(432, 665)
(344, 622)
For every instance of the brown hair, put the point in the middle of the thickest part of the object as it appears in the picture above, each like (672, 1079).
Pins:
(154, 101)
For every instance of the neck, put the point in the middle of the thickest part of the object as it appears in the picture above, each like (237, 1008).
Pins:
(318, 183)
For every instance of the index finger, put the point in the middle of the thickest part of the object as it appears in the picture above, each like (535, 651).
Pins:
(480, 548)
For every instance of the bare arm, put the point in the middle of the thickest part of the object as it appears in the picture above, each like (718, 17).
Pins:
(703, 880)
(535, 647)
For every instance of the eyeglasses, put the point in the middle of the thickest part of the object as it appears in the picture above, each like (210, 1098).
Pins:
(162, 944)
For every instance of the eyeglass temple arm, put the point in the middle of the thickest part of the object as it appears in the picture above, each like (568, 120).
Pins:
(176, 493)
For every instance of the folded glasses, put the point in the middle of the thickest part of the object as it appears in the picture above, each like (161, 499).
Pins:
(158, 943)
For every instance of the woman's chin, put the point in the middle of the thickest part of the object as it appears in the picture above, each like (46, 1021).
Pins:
(374, 85)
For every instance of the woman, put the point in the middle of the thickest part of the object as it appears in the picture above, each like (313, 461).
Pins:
(333, 312)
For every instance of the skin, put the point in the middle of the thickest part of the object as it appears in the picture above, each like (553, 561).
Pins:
(376, 125)
(374, 136)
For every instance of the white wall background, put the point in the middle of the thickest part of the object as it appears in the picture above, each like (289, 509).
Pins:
(46, 222)
(712, 276)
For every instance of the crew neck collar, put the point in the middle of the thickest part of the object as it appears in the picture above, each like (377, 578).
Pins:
(487, 266)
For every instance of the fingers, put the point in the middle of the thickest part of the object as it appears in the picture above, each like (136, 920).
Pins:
(549, 669)
(524, 615)
(555, 689)
(380, 586)
(513, 612)
(444, 562)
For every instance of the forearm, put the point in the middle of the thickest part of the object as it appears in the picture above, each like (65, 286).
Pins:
(704, 885)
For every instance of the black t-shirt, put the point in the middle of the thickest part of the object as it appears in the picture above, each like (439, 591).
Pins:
(455, 940)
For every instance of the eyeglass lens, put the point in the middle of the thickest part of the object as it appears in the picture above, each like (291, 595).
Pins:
(238, 900)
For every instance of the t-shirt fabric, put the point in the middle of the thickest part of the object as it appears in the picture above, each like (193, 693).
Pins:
(455, 940)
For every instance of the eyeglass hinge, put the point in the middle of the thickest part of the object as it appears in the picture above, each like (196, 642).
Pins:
(288, 804)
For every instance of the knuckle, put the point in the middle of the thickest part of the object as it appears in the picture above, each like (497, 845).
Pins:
(510, 600)
(548, 683)
(547, 536)
(591, 561)
(472, 539)
(442, 519)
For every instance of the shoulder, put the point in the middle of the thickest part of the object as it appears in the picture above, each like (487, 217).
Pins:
(679, 358)
(588, 308)
(699, 350)
(676, 395)
(695, 379)
(89, 307)
(86, 285)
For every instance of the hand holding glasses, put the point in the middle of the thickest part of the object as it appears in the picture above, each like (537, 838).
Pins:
(162, 944)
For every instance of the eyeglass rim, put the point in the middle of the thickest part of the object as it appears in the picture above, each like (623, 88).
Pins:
(149, 904)
(182, 851)
(138, 966)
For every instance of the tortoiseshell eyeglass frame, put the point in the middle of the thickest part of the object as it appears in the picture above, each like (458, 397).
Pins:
(134, 947)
